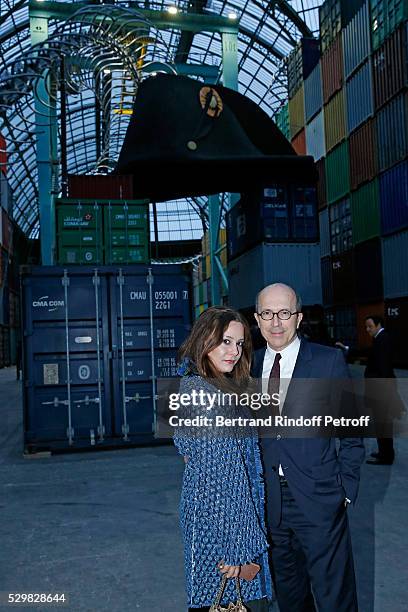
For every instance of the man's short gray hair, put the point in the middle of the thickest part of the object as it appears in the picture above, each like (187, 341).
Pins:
(298, 298)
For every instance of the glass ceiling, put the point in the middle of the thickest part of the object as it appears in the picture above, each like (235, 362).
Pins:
(268, 31)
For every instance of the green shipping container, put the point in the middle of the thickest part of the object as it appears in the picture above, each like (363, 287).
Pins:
(337, 173)
(386, 15)
(365, 212)
(76, 238)
(79, 255)
(127, 237)
(73, 215)
(282, 121)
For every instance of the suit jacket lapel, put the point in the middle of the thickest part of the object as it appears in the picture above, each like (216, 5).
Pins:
(302, 369)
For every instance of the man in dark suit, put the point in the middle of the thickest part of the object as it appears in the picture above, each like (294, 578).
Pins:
(381, 391)
(309, 484)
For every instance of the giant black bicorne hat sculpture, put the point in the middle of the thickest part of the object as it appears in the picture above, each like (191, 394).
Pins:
(188, 139)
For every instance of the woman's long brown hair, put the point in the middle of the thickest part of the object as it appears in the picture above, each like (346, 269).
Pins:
(207, 333)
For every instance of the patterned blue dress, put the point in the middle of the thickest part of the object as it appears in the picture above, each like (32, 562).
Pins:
(222, 507)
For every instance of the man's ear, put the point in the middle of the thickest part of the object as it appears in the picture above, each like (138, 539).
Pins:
(300, 317)
(256, 315)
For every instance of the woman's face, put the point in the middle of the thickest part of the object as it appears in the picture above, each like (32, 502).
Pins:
(228, 353)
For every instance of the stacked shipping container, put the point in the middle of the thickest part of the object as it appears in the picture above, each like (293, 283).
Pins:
(202, 273)
(356, 101)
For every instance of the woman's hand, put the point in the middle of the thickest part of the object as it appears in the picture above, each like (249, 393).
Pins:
(231, 571)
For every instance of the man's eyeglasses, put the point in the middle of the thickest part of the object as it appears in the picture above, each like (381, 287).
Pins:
(283, 315)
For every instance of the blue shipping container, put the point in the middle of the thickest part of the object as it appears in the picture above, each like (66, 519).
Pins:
(394, 199)
(392, 132)
(315, 138)
(357, 40)
(95, 343)
(395, 270)
(324, 233)
(313, 93)
(327, 281)
(297, 265)
(359, 96)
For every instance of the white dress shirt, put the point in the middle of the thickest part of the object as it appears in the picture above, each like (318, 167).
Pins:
(287, 364)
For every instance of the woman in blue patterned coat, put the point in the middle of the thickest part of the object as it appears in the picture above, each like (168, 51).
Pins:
(222, 501)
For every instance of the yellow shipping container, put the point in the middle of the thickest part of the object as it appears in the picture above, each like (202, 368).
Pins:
(207, 266)
(297, 112)
(335, 120)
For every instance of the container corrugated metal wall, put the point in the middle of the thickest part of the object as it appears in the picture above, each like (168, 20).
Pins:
(327, 281)
(341, 239)
(392, 132)
(396, 322)
(363, 154)
(359, 95)
(313, 92)
(337, 173)
(282, 121)
(321, 183)
(297, 112)
(385, 17)
(395, 276)
(299, 143)
(297, 265)
(335, 120)
(357, 40)
(301, 62)
(332, 69)
(390, 67)
(315, 140)
(324, 233)
(365, 212)
(367, 257)
(394, 199)
(343, 278)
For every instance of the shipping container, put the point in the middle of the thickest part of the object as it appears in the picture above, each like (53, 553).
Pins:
(395, 269)
(3, 155)
(299, 143)
(386, 15)
(333, 16)
(363, 154)
(365, 212)
(392, 132)
(390, 70)
(324, 230)
(14, 308)
(6, 195)
(332, 69)
(396, 323)
(321, 183)
(335, 120)
(357, 40)
(337, 173)
(297, 265)
(343, 278)
(297, 112)
(394, 199)
(96, 342)
(282, 120)
(315, 139)
(79, 232)
(301, 62)
(341, 322)
(100, 187)
(279, 213)
(368, 271)
(340, 226)
(359, 96)
(126, 232)
(7, 232)
(327, 281)
(313, 93)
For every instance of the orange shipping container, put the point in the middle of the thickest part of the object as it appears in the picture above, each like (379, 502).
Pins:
(363, 155)
(299, 143)
(100, 187)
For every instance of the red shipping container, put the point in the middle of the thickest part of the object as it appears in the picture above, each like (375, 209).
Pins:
(332, 69)
(100, 187)
(3, 155)
(390, 72)
(299, 143)
(363, 155)
(321, 184)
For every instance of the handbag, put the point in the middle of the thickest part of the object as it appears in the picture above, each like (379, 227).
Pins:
(232, 607)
